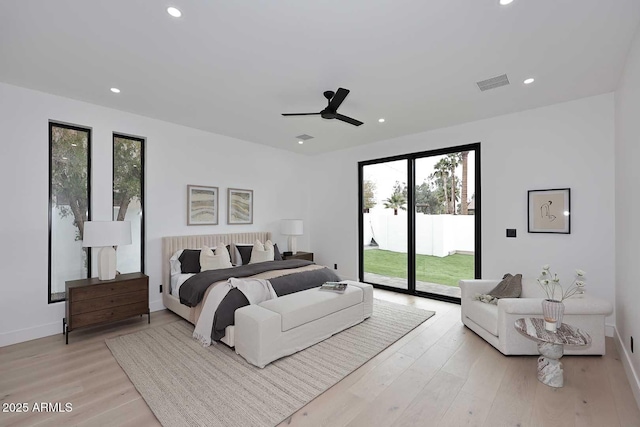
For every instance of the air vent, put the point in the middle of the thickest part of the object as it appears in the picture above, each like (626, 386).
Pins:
(493, 82)
(304, 137)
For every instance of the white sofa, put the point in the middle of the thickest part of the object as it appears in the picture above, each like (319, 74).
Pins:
(282, 326)
(494, 323)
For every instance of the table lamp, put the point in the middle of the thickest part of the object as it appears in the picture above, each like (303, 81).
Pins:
(291, 228)
(106, 235)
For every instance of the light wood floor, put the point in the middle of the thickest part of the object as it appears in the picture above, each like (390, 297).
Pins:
(440, 374)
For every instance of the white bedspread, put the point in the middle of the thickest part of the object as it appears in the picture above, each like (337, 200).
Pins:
(256, 291)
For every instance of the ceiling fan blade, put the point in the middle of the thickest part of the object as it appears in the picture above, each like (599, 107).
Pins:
(300, 114)
(348, 120)
(337, 99)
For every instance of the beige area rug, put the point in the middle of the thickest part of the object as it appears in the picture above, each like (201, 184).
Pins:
(186, 384)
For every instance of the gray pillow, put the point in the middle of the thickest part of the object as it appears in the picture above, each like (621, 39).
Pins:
(509, 287)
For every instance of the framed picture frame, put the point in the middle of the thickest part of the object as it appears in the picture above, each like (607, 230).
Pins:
(549, 211)
(239, 206)
(202, 205)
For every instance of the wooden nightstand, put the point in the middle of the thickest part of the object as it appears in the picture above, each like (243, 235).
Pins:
(299, 255)
(93, 301)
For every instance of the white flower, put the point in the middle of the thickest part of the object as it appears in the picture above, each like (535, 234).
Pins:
(544, 273)
(546, 267)
(580, 273)
(579, 283)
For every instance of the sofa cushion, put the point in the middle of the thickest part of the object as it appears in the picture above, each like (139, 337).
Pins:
(306, 306)
(485, 315)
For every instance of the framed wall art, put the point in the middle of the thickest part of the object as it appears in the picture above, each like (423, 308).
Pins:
(239, 206)
(202, 205)
(549, 211)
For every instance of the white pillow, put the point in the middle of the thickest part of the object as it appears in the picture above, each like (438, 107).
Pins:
(174, 262)
(211, 261)
(262, 253)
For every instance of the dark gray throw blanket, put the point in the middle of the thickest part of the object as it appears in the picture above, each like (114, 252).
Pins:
(283, 285)
(193, 289)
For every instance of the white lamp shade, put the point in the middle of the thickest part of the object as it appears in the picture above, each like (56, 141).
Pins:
(291, 227)
(106, 233)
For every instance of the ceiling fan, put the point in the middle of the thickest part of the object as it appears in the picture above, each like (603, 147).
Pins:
(334, 100)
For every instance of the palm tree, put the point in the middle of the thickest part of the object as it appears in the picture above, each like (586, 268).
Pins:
(442, 172)
(395, 202)
(453, 162)
(464, 207)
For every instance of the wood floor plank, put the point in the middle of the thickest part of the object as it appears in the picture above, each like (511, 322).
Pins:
(432, 402)
(594, 402)
(626, 406)
(441, 373)
(381, 376)
(466, 410)
(512, 404)
(486, 374)
(398, 395)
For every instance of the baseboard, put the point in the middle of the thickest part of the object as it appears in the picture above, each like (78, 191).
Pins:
(28, 334)
(609, 330)
(632, 375)
(156, 305)
(46, 330)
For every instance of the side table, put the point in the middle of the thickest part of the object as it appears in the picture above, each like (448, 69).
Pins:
(551, 347)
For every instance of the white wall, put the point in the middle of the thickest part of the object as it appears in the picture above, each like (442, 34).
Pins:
(176, 156)
(437, 235)
(564, 145)
(627, 157)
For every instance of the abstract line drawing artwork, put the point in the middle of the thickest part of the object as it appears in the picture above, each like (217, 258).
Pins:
(549, 211)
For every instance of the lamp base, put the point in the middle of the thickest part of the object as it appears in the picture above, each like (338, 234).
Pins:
(107, 263)
(292, 244)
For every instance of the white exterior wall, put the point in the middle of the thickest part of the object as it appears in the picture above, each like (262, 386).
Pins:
(437, 235)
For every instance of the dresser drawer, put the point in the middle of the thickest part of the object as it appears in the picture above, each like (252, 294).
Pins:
(95, 304)
(108, 289)
(108, 315)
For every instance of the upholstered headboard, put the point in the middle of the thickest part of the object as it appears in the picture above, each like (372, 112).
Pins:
(174, 243)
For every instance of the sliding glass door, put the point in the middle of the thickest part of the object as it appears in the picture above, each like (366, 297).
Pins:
(420, 221)
(384, 215)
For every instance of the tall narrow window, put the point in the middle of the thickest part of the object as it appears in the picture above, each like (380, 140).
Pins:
(69, 205)
(128, 198)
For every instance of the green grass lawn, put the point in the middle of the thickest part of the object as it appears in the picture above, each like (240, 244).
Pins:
(445, 271)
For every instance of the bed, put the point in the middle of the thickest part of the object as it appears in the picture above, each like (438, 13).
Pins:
(170, 245)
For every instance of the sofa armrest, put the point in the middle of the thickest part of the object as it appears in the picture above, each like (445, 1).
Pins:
(470, 288)
(533, 306)
(520, 305)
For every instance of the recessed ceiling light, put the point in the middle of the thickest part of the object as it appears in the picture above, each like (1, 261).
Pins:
(381, 120)
(529, 81)
(115, 90)
(174, 12)
(505, 2)
(301, 142)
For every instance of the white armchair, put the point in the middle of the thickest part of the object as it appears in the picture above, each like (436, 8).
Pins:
(494, 323)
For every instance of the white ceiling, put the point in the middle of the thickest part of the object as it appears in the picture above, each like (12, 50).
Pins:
(231, 67)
